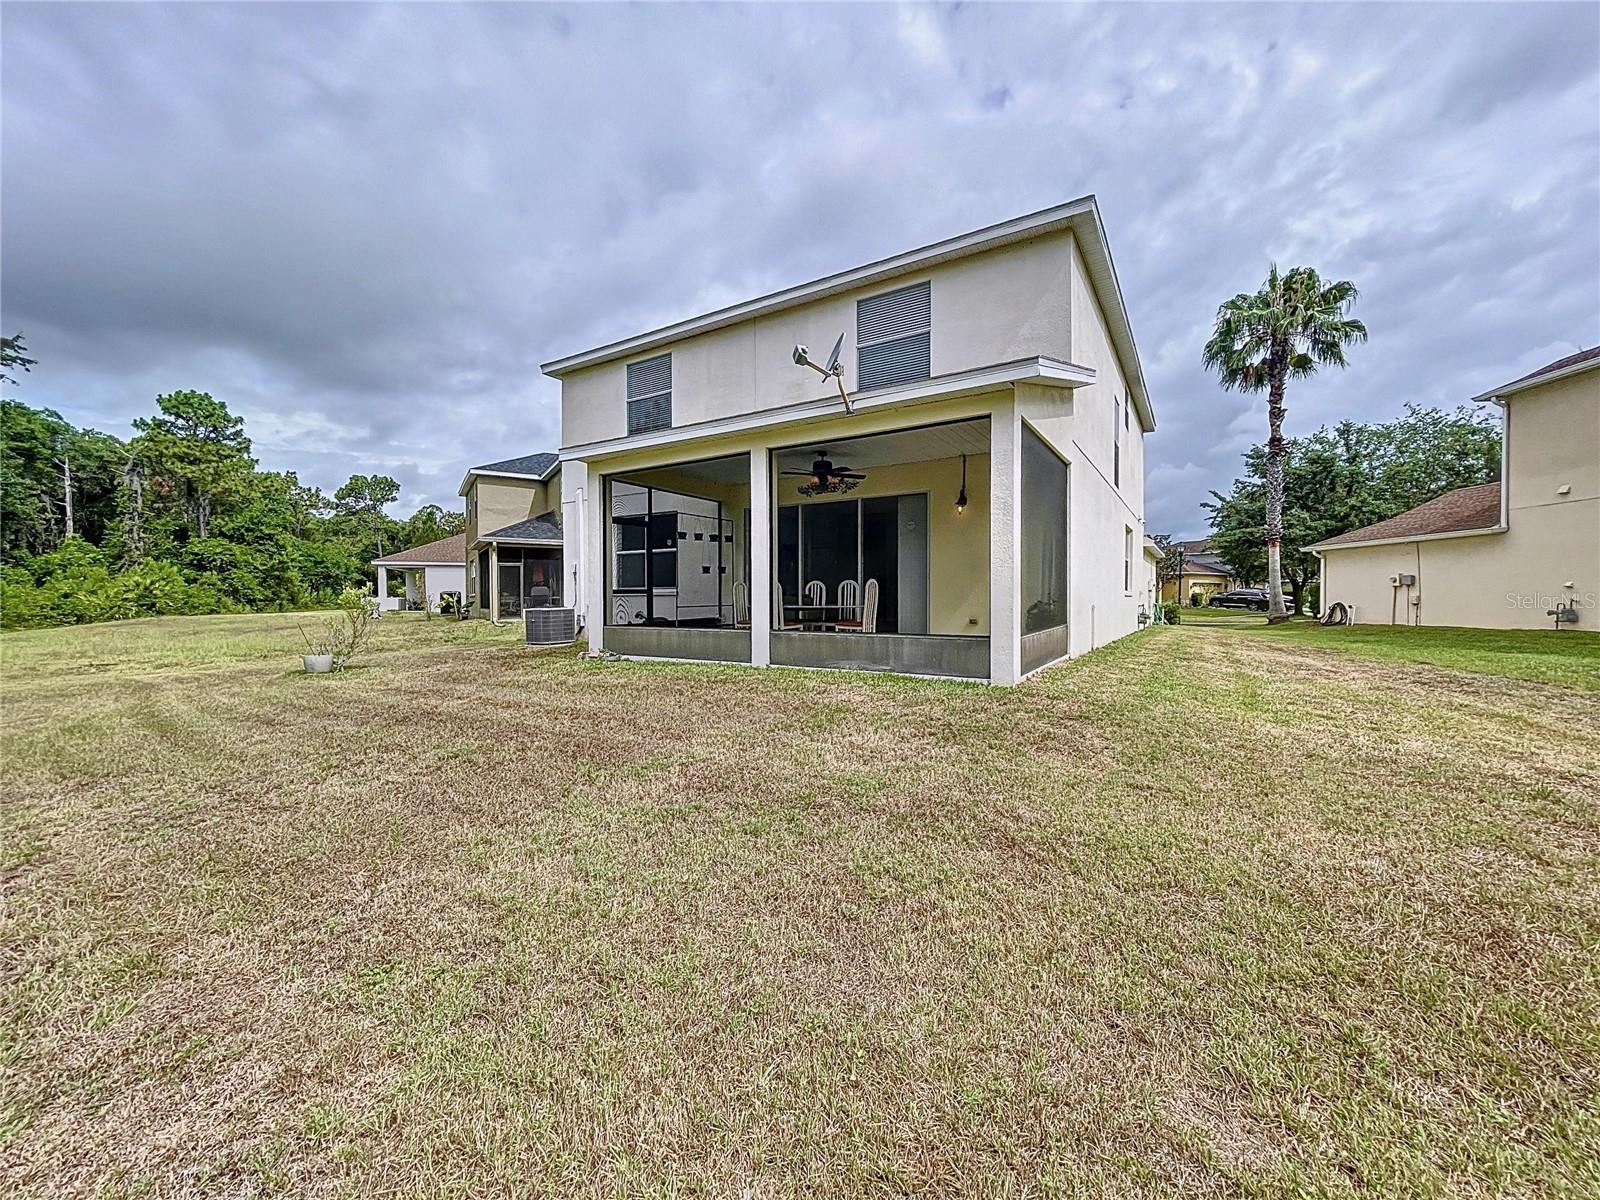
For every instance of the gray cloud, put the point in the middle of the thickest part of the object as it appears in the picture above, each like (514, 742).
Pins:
(365, 226)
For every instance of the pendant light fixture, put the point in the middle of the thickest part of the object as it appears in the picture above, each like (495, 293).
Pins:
(961, 500)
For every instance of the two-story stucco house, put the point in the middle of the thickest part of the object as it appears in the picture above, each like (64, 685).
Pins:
(1500, 555)
(513, 541)
(971, 506)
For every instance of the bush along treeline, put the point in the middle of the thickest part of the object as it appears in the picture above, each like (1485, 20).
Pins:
(177, 520)
(1346, 477)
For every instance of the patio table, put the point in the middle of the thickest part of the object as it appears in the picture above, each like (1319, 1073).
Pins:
(817, 616)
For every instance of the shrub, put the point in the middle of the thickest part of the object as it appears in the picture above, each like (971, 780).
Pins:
(345, 632)
(74, 585)
(1171, 612)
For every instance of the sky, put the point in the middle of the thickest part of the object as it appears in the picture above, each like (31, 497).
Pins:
(365, 226)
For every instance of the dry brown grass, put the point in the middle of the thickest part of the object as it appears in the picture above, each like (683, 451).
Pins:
(1201, 913)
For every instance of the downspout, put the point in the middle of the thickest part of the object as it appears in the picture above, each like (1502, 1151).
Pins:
(1416, 609)
(1505, 461)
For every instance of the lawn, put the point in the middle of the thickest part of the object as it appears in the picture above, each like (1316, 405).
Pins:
(1569, 657)
(1214, 911)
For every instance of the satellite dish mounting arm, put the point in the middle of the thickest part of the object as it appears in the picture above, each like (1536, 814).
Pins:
(833, 370)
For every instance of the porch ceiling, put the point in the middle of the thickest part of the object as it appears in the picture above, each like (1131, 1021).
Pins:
(922, 444)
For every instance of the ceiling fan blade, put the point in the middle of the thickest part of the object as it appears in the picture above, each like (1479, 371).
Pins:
(794, 471)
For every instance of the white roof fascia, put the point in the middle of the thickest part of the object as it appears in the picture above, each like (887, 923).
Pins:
(1511, 389)
(1319, 547)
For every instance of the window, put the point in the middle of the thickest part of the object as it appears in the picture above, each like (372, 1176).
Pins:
(892, 337)
(1117, 409)
(650, 394)
(1127, 560)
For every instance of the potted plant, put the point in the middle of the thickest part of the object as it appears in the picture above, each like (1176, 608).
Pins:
(318, 658)
(343, 635)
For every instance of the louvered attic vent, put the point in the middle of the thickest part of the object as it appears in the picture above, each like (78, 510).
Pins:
(892, 337)
(650, 394)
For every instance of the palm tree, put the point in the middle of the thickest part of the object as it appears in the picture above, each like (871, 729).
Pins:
(1288, 329)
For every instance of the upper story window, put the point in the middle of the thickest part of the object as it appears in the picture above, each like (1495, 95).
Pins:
(650, 394)
(1119, 410)
(892, 337)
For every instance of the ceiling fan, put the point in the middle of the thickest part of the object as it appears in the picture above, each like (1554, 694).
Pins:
(825, 479)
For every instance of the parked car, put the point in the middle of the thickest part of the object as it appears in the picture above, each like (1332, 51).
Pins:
(1254, 599)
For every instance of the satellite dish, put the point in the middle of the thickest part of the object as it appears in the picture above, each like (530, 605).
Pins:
(833, 370)
(833, 356)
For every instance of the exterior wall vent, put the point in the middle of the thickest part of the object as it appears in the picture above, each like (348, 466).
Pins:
(650, 394)
(893, 337)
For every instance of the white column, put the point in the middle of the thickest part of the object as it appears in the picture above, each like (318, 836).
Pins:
(411, 586)
(574, 537)
(760, 558)
(595, 532)
(1005, 583)
(494, 582)
(383, 588)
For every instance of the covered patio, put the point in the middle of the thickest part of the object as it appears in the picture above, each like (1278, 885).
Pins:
(518, 567)
(434, 576)
(873, 551)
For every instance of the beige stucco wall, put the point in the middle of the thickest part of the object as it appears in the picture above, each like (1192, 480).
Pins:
(1192, 582)
(1078, 426)
(1502, 580)
(493, 502)
(1011, 303)
(501, 502)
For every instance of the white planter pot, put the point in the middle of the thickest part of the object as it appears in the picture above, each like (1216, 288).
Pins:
(317, 664)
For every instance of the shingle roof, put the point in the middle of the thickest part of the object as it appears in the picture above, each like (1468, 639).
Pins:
(452, 550)
(546, 527)
(1465, 509)
(1583, 360)
(1560, 364)
(528, 464)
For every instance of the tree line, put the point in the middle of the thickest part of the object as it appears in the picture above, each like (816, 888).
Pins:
(1347, 477)
(177, 519)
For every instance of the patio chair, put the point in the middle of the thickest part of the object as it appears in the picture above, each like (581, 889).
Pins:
(741, 604)
(849, 605)
(816, 592)
(869, 608)
(867, 621)
(784, 620)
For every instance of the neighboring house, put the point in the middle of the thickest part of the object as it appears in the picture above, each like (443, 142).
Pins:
(1499, 555)
(978, 511)
(1153, 555)
(1201, 575)
(430, 570)
(513, 544)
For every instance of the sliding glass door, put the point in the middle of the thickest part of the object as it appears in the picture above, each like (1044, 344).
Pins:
(883, 538)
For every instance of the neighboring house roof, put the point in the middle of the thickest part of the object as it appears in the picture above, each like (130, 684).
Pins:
(1465, 510)
(446, 552)
(1194, 566)
(1082, 216)
(1572, 364)
(527, 466)
(1198, 546)
(546, 527)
